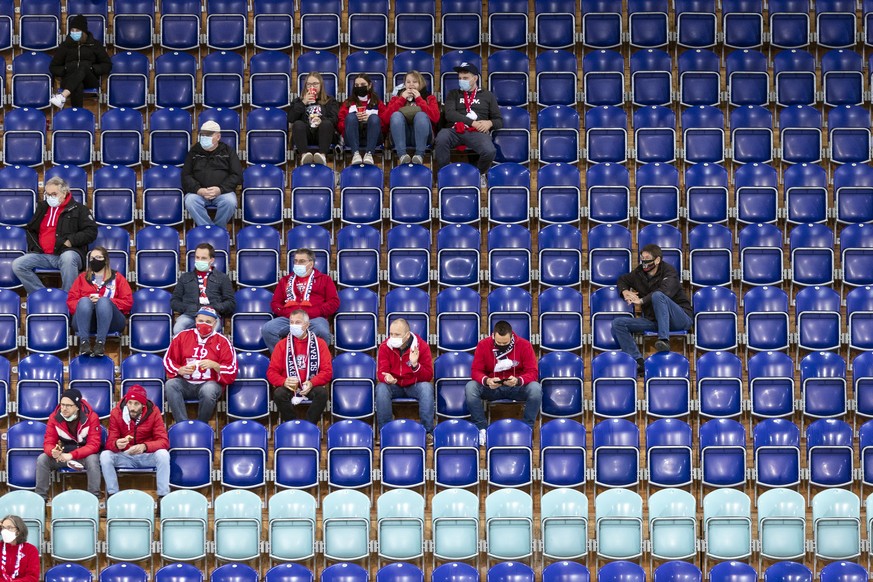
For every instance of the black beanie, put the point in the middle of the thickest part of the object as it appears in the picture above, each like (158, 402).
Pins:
(73, 395)
(79, 22)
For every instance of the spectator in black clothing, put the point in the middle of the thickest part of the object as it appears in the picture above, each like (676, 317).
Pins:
(78, 63)
(211, 173)
(313, 119)
(204, 286)
(472, 114)
(655, 286)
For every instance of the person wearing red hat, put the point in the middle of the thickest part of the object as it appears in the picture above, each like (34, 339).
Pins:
(137, 439)
(72, 441)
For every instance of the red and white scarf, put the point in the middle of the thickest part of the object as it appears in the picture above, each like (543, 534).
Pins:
(18, 558)
(201, 283)
(299, 365)
(291, 290)
(105, 288)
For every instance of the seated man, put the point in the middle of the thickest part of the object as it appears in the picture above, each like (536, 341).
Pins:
(58, 236)
(300, 369)
(504, 368)
(307, 289)
(200, 364)
(472, 114)
(137, 439)
(72, 440)
(404, 369)
(655, 286)
(210, 176)
(204, 286)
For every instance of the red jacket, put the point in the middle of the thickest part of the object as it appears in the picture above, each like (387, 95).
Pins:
(188, 344)
(28, 569)
(278, 370)
(522, 354)
(323, 297)
(390, 361)
(86, 440)
(150, 431)
(429, 106)
(344, 111)
(117, 288)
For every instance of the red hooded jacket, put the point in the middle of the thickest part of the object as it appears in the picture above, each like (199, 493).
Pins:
(323, 297)
(390, 361)
(522, 354)
(149, 431)
(85, 441)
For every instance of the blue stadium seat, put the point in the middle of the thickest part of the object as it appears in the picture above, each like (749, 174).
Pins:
(556, 78)
(128, 83)
(162, 196)
(560, 257)
(31, 80)
(263, 195)
(361, 195)
(606, 134)
(226, 24)
(73, 137)
(856, 243)
(606, 305)
(603, 78)
(40, 380)
(835, 24)
(24, 441)
(648, 23)
(555, 24)
(559, 193)
(668, 385)
(801, 134)
(766, 318)
(461, 24)
(47, 324)
(657, 193)
(257, 256)
(512, 305)
(771, 384)
(252, 312)
(151, 319)
(95, 379)
(829, 453)
(192, 447)
(668, 453)
(812, 254)
(157, 256)
(616, 453)
(39, 25)
(703, 134)
(853, 187)
(169, 136)
(609, 253)
(823, 385)
(273, 24)
(368, 24)
(806, 193)
(751, 134)
(113, 195)
(777, 453)
(743, 23)
(349, 456)
(357, 257)
(409, 194)
(415, 24)
(356, 323)
(513, 139)
(409, 256)
(175, 74)
(761, 258)
(458, 312)
(458, 259)
(654, 134)
(706, 194)
(7, 13)
(508, 77)
(133, 23)
(818, 318)
(24, 138)
(311, 194)
(180, 24)
(560, 319)
(722, 445)
(561, 379)
(121, 137)
(458, 193)
(18, 188)
(794, 71)
(296, 458)
(222, 78)
(608, 193)
(711, 255)
(10, 315)
(789, 23)
(651, 76)
(849, 134)
(696, 23)
(509, 255)
(270, 76)
(601, 23)
(267, 136)
(699, 78)
(748, 78)
(507, 24)
(842, 77)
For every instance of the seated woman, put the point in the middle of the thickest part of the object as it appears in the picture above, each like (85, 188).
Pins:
(20, 559)
(412, 113)
(78, 64)
(313, 120)
(99, 301)
(360, 119)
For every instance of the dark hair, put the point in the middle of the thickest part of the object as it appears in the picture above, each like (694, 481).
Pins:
(653, 250)
(208, 247)
(19, 525)
(502, 328)
(371, 95)
(88, 272)
(305, 251)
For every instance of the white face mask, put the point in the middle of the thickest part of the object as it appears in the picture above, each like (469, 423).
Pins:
(53, 201)
(395, 342)
(70, 418)
(8, 536)
(296, 330)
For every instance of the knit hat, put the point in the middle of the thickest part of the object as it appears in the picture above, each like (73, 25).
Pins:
(210, 126)
(206, 310)
(73, 395)
(137, 393)
(79, 22)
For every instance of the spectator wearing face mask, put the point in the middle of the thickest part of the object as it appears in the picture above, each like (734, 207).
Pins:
(20, 559)
(79, 63)
(404, 369)
(200, 364)
(304, 288)
(58, 236)
(655, 287)
(360, 120)
(72, 441)
(301, 370)
(203, 286)
(210, 176)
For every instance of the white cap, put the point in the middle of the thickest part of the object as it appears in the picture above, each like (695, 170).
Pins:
(210, 126)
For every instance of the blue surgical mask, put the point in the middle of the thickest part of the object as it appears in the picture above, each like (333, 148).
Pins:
(464, 84)
(201, 265)
(206, 141)
(296, 330)
(300, 270)
(53, 201)
(76, 36)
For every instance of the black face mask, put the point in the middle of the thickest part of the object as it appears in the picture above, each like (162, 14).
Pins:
(647, 265)
(361, 91)
(97, 264)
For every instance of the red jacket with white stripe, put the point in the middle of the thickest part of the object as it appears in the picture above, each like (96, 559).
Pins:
(84, 442)
(188, 345)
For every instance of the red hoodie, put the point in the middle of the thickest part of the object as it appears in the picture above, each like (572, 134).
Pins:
(278, 370)
(522, 354)
(117, 289)
(149, 431)
(390, 361)
(49, 226)
(28, 567)
(429, 106)
(85, 441)
(323, 298)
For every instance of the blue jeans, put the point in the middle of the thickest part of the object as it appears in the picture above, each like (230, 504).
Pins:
(668, 317)
(421, 391)
(183, 322)
(418, 132)
(97, 318)
(178, 390)
(278, 327)
(159, 459)
(372, 132)
(224, 205)
(69, 263)
(531, 394)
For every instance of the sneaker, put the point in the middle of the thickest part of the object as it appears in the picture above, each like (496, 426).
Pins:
(99, 349)
(58, 100)
(482, 437)
(429, 439)
(368, 158)
(483, 181)
(405, 159)
(357, 159)
(296, 400)
(84, 347)
(662, 345)
(319, 158)
(306, 159)
(75, 465)
(417, 159)
(641, 367)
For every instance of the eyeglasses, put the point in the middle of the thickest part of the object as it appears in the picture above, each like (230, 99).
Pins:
(64, 405)
(10, 528)
(313, 84)
(302, 261)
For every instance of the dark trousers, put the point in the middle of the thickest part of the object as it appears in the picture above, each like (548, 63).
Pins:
(303, 135)
(76, 79)
(481, 143)
(287, 411)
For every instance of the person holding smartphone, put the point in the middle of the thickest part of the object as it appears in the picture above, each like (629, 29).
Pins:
(504, 368)
(313, 120)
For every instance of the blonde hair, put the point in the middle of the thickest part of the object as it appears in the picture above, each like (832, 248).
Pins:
(422, 83)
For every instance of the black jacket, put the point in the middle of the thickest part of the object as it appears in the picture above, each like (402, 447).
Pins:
(329, 111)
(88, 52)
(484, 105)
(76, 224)
(203, 169)
(219, 291)
(666, 280)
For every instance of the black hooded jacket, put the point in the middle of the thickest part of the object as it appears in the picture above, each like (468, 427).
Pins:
(88, 52)
(219, 167)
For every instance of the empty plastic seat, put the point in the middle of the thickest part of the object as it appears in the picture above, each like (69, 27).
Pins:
(39, 25)
(169, 136)
(410, 194)
(711, 255)
(696, 23)
(668, 385)
(748, 78)
(603, 78)
(618, 526)
(270, 71)
(853, 186)
(829, 453)
(722, 453)
(703, 134)
(672, 524)
(836, 524)
(751, 134)
(349, 455)
(756, 195)
(647, 23)
(794, 72)
(346, 525)
(560, 257)
(555, 24)
(789, 23)
(616, 453)
(743, 23)
(654, 134)
(509, 524)
(606, 134)
(263, 194)
(560, 324)
(668, 453)
(782, 524)
(183, 524)
(601, 23)
(267, 136)
(24, 140)
(608, 187)
(699, 77)
(657, 193)
(842, 78)
(609, 253)
(556, 78)
(508, 77)
(558, 134)
(849, 134)
(564, 525)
